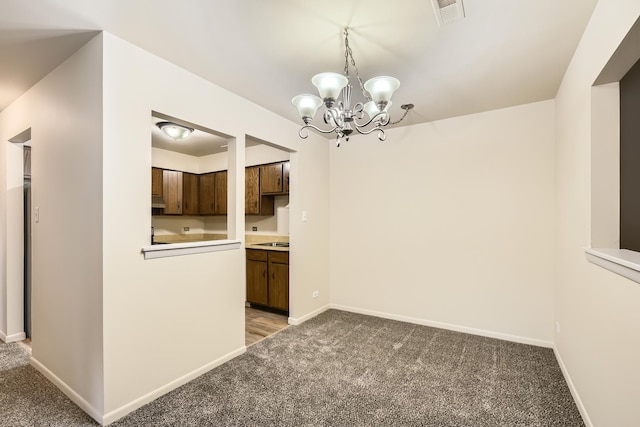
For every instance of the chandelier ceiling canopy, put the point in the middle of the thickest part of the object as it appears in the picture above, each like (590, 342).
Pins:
(341, 117)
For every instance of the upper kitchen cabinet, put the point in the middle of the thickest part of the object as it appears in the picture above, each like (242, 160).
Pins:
(220, 197)
(285, 176)
(254, 202)
(172, 192)
(156, 182)
(213, 193)
(207, 193)
(190, 194)
(272, 178)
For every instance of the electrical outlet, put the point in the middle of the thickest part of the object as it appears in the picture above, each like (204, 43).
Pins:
(557, 327)
(315, 294)
(186, 228)
(254, 228)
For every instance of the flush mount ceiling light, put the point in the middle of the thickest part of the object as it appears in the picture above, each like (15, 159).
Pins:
(174, 130)
(340, 115)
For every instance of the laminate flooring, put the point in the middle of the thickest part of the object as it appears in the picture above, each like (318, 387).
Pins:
(260, 324)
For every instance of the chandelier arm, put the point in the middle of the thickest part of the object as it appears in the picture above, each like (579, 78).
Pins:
(335, 115)
(406, 111)
(381, 134)
(379, 119)
(304, 135)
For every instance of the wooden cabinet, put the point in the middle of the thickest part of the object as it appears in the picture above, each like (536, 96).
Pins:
(271, 178)
(257, 283)
(278, 272)
(213, 193)
(220, 197)
(274, 178)
(207, 193)
(190, 194)
(254, 202)
(285, 176)
(268, 278)
(156, 182)
(172, 192)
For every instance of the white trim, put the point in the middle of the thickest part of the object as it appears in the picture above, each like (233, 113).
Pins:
(621, 261)
(448, 326)
(71, 394)
(299, 320)
(12, 338)
(188, 248)
(143, 400)
(572, 389)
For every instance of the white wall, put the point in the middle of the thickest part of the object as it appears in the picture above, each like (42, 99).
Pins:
(64, 112)
(597, 309)
(450, 223)
(181, 315)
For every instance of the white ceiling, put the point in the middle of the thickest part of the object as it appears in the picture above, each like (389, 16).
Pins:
(505, 53)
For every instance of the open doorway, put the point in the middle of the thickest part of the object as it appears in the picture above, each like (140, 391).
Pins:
(267, 193)
(26, 186)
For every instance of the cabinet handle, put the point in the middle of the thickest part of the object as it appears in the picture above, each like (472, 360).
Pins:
(273, 276)
(264, 273)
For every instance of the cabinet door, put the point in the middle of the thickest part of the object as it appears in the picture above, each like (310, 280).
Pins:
(220, 203)
(257, 282)
(207, 194)
(190, 194)
(156, 182)
(278, 285)
(172, 192)
(271, 178)
(285, 176)
(252, 190)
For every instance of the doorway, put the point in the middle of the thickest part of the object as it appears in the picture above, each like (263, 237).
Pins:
(26, 186)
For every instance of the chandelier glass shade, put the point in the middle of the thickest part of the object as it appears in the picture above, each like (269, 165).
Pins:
(341, 117)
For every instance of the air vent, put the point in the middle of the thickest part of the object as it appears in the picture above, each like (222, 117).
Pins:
(448, 11)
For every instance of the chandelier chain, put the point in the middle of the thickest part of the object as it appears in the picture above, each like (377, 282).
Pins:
(348, 53)
(406, 111)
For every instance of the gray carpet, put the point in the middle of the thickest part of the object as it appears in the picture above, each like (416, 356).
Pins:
(338, 369)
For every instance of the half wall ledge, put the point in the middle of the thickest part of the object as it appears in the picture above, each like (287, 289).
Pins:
(188, 248)
(621, 261)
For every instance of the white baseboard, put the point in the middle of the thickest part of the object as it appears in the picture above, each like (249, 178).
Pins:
(572, 388)
(131, 406)
(448, 326)
(143, 400)
(13, 337)
(299, 320)
(71, 394)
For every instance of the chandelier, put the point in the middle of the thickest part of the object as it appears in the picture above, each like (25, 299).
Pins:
(341, 117)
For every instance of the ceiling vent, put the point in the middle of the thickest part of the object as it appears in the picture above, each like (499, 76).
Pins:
(448, 11)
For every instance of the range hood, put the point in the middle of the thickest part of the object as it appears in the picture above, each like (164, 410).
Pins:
(157, 202)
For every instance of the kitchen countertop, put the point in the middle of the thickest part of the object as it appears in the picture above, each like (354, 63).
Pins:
(251, 240)
(267, 248)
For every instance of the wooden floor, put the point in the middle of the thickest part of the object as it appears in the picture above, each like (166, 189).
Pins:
(260, 324)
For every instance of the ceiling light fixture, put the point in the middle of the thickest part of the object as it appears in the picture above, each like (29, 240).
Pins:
(174, 130)
(341, 116)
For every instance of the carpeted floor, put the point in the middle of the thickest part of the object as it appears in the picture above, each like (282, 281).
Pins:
(338, 369)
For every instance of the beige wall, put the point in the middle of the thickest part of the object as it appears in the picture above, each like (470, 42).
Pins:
(597, 309)
(64, 113)
(450, 223)
(181, 315)
(98, 301)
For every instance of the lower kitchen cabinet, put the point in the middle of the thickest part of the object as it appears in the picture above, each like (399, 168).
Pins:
(268, 278)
